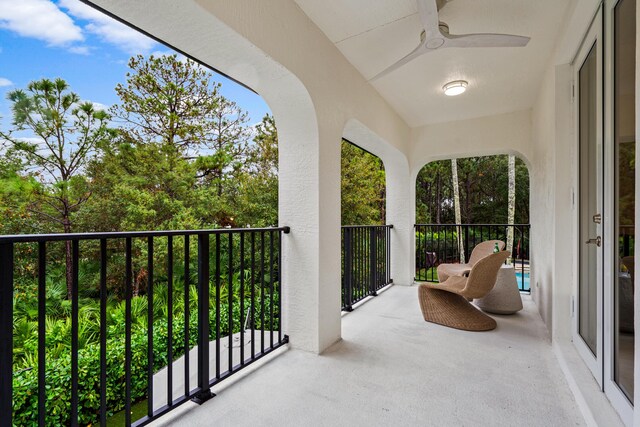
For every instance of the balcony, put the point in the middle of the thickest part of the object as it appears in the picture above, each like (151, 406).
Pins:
(223, 288)
(563, 360)
(393, 368)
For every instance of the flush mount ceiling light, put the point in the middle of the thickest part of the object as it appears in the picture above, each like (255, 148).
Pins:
(455, 87)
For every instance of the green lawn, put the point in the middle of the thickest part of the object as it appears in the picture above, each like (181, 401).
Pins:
(427, 274)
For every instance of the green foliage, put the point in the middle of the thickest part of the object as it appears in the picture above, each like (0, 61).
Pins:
(257, 202)
(362, 187)
(58, 345)
(66, 134)
(483, 191)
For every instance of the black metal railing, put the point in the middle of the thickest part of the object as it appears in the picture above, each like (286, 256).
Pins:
(626, 240)
(365, 262)
(187, 324)
(441, 243)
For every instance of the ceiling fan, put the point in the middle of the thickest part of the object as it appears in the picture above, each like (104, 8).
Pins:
(435, 35)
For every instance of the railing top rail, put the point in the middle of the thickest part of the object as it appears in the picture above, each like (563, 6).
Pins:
(34, 238)
(474, 225)
(367, 226)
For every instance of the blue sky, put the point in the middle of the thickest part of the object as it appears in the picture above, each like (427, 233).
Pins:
(68, 39)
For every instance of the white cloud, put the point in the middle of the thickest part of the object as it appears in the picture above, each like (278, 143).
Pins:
(108, 29)
(39, 19)
(99, 106)
(80, 50)
(5, 82)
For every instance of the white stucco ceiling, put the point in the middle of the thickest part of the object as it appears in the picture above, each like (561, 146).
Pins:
(374, 34)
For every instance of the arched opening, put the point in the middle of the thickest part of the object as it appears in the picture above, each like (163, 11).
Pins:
(366, 238)
(362, 185)
(463, 202)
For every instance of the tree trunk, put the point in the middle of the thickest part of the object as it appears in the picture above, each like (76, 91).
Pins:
(511, 207)
(456, 206)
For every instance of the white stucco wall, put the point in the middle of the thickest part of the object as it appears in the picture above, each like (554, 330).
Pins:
(542, 198)
(501, 134)
(313, 92)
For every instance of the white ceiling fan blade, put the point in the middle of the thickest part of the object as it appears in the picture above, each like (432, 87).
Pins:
(410, 57)
(428, 11)
(485, 40)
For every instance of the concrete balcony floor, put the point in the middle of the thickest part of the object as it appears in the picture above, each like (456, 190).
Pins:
(393, 368)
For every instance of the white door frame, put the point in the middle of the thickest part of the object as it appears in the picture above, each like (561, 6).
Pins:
(591, 39)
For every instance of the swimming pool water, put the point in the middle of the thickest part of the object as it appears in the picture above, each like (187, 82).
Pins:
(519, 277)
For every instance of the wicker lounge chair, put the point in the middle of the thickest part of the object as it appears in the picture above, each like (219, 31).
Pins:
(447, 303)
(480, 251)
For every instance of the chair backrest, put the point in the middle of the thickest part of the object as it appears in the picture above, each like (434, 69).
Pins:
(483, 249)
(483, 275)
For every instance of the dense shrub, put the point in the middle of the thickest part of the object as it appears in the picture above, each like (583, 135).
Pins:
(58, 369)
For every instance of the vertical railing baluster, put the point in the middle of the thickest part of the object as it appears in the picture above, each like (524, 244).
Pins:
(438, 239)
(150, 309)
(356, 269)
(75, 257)
(381, 260)
(103, 332)
(446, 243)
(361, 263)
(271, 291)
(127, 325)
(364, 279)
(364, 256)
(42, 312)
(522, 261)
(388, 257)
(379, 257)
(217, 279)
(253, 295)
(427, 245)
(169, 320)
(204, 392)
(262, 291)
(467, 250)
(280, 284)
(356, 266)
(6, 333)
(372, 261)
(348, 268)
(187, 314)
(230, 302)
(242, 315)
(343, 263)
(437, 258)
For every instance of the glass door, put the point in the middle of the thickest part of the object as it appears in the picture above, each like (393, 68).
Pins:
(620, 148)
(625, 154)
(588, 100)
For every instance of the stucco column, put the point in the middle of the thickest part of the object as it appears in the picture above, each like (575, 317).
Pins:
(401, 211)
(309, 203)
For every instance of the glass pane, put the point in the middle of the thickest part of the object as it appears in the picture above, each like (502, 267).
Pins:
(588, 117)
(625, 148)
